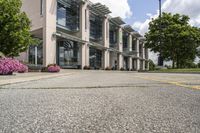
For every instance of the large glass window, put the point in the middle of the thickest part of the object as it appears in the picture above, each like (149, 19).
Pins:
(95, 58)
(68, 53)
(113, 35)
(36, 54)
(68, 15)
(134, 44)
(126, 63)
(95, 27)
(140, 50)
(125, 40)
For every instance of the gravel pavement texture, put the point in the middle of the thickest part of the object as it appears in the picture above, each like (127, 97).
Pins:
(102, 102)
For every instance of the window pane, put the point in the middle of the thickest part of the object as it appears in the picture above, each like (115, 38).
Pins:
(32, 55)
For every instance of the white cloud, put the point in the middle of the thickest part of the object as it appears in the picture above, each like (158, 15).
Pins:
(118, 7)
(187, 7)
(137, 25)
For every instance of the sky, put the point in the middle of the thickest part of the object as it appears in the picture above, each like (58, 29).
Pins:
(138, 13)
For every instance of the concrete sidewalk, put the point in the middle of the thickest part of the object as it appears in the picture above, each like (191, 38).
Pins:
(31, 76)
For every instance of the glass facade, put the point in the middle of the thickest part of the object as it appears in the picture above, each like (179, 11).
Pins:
(68, 15)
(95, 58)
(134, 44)
(113, 36)
(36, 54)
(140, 50)
(95, 27)
(126, 63)
(125, 40)
(68, 54)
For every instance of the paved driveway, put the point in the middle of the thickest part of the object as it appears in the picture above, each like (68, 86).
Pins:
(101, 101)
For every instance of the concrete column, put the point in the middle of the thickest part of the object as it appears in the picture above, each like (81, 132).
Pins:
(84, 24)
(106, 32)
(138, 48)
(138, 54)
(49, 41)
(130, 65)
(143, 65)
(87, 55)
(84, 55)
(130, 42)
(143, 51)
(120, 40)
(106, 59)
(84, 31)
(137, 64)
(121, 61)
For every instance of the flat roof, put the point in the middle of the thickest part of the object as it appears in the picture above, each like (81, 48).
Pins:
(117, 20)
(99, 8)
(129, 28)
(137, 34)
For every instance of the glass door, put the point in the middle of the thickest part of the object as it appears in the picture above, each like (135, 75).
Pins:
(95, 58)
(68, 54)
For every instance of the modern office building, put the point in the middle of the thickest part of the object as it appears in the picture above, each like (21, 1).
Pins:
(79, 33)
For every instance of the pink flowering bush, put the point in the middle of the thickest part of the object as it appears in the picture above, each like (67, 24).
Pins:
(53, 68)
(10, 65)
(22, 68)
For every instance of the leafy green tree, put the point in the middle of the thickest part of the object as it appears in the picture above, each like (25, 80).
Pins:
(15, 34)
(152, 66)
(173, 37)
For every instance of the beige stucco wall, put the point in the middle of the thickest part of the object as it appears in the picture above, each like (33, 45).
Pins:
(49, 41)
(32, 9)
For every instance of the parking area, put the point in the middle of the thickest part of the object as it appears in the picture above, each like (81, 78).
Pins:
(102, 101)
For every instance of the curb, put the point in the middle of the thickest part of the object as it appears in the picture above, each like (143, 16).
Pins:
(22, 80)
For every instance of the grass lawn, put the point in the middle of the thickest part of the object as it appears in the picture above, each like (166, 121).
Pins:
(188, 70)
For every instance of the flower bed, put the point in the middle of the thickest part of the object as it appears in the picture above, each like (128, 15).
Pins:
(53, 68)
(22, 68)
(10, 65)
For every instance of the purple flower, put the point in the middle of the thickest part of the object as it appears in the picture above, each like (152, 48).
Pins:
(54, 68)
(10, 65)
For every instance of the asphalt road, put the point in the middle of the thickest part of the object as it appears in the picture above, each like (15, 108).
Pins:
(99, 101)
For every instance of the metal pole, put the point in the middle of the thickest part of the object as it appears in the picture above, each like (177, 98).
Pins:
(160, 11)
(160, 59)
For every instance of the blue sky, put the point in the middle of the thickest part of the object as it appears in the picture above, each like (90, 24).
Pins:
(140, 8)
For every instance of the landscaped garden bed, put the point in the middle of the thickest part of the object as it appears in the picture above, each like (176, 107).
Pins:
(9, 65)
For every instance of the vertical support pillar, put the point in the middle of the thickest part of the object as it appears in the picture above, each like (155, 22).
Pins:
(143, 51)
(84, 22)
(130, 42)
(138, 54)
(85, 35)
(106, 32)
(106, 42)
(120, 40)
(84, 55)
(130, 63)
(49, 41)
(143, 65)
(121, 62)
(106, 59)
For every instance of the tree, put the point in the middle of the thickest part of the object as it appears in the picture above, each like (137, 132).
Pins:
(15, 36)
(173, 37)
(152, 66)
